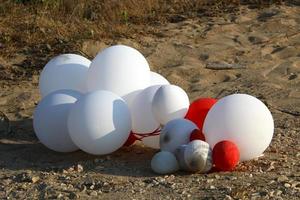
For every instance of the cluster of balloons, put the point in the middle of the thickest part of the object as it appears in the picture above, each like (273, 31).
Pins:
(114, 100)
(218, 133)
(100, 106)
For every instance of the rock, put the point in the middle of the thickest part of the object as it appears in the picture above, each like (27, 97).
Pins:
(282, 178)
(224, 66)
(292, 76)
(263, 17)
(35, 179)
(287, 185)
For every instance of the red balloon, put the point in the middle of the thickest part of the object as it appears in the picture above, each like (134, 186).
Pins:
(199, 109)
(197, 135)
(131, 139)
(225, 155)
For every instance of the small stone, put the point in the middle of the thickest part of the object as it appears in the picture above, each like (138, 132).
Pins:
(223, 66)
(212, 187)
(35, 179)
(278, 192)
(209, 180)
(217, 176)
(287, 185)
(282, 178)
(292, 76)
(59, 196)
(295, 184)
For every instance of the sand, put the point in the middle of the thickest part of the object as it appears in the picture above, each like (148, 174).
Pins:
(255, 52)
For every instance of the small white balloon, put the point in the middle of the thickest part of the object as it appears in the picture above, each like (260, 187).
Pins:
(151, 141)
(198, 156)
(99, 123)
(157, 79)
(50, 120)
(66, 71)
(170, 102)
(175, 133)
(121, 70)
(164, 162)
(242, 119)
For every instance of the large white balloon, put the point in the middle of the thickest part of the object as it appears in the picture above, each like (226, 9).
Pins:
(175, 133)
(157, 79)
(243, 119)
(66, 71)
(50, 120)
(143, 120)
(99, 123)
(170, 102)
(120, 69)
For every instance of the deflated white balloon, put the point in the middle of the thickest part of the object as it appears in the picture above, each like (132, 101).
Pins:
(152, 141)
(157, 79)
(121, 70)
(175, 133)
(170, 102)
(198, 156)
(99, 123)
(164, 163)
(66, 71)
(50, 120)
(242, 119)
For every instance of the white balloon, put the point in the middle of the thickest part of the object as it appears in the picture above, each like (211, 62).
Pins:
(170, 102)
(50, 120)
(175, 133)
(152, 141)
(164, 163)
(243, 119)
(99, 123)
(143, 120)
(66, 71)
(157, 79)
(119, 69)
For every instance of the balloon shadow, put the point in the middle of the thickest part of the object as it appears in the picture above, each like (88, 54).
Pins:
(21, 150)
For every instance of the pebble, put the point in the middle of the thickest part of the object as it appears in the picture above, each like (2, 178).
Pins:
(212, 187)
(35, 179)
(282, 178)
(287, 185)
(223, 66)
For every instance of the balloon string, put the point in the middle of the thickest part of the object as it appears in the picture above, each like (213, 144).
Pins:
(140, 136)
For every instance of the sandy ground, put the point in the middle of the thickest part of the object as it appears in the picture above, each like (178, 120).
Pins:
(254, 52)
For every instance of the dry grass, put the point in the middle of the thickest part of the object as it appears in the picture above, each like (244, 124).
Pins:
(43, 28)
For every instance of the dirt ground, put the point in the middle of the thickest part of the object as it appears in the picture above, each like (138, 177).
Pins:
(254, 51)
